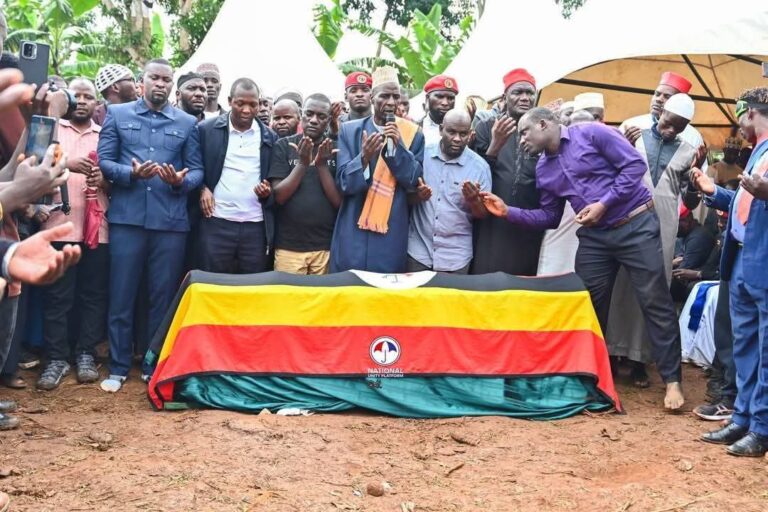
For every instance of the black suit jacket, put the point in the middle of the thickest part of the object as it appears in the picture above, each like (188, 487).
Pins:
(214, 139)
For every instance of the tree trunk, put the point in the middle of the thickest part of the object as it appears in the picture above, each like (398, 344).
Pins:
(383, 28)
(184, 40)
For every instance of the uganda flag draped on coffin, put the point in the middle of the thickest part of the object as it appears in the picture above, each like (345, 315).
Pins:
(416, 345)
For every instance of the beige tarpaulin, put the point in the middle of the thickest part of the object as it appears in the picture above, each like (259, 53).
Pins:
(627, 85)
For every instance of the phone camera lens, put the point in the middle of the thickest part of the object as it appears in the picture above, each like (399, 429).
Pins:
(29, 50)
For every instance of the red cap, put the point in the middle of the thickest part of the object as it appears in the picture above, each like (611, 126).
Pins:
(441, 83)
(518, 75)
(358, 78)
(679, 82)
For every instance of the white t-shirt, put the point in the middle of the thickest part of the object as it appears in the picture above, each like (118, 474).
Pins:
(234, 197)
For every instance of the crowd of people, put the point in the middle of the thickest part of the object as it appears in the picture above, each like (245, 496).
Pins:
(160, 184)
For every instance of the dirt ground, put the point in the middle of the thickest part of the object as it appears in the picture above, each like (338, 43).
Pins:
(62, 459)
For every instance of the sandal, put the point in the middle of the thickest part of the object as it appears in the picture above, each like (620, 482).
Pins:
(13, 381)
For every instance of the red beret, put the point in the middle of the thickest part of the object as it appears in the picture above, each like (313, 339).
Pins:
(518, 75)
(677, 81)
(358, 78)
(441, 83)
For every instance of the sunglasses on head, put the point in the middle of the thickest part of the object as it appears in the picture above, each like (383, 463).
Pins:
(742, 106)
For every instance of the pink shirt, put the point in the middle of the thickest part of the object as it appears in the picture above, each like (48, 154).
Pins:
(77, 144)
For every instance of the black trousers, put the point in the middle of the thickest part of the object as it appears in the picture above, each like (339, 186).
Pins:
(414, 265)
(637, 246)
(81, 293)
(229, 247)
(723, 362)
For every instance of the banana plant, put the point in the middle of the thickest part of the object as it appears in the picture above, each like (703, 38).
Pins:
(329, 25)
(423, 51)
(62, 24)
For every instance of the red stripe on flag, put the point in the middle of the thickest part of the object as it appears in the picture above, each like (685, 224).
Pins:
(346, 351)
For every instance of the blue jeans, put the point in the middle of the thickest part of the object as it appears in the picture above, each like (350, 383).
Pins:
(749, 316)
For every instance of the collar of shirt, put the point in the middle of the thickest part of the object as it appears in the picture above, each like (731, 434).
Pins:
(434, 151)
(93, 127)
(564, 135)
(253, 128)
(167, 110)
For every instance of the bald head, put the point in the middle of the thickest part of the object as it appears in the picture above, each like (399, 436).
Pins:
(457, 115)
(455, 133)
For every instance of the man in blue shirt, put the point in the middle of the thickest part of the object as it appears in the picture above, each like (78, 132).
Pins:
(440, 234)
(742, 264)
(150, 153)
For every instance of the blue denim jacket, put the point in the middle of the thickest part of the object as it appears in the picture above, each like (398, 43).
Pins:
(132, 130)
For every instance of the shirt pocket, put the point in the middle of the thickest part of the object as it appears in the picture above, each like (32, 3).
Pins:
(130, 132)
(173, 139)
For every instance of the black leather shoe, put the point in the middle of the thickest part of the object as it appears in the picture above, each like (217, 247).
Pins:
(726, 435)
(7, 406)
(751, 445)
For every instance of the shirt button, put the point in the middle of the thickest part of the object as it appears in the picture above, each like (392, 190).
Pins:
(149, 188)
(153, 130)
(151, 149)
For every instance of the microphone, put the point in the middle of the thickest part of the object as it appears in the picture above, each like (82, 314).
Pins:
(390, 118)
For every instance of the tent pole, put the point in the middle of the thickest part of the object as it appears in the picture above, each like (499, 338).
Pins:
(637, 90)
(746, 58)
(707, 89)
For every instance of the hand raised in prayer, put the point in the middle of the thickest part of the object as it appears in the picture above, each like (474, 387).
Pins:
(207, 204)
(755, 185)
(336, 109)
(471, 192)
(324, 152)
(37, 262)
(423, 191)
(503, 128)
(632, 133)
(168, 174)
(701, 156)
(591, 214)
(702, 182)
(471, 107)
(372, 146)
(304, 149)
(263, 189)
(143, 171)
(494, 204)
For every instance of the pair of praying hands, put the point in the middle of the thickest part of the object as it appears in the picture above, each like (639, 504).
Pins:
(470, 191)
(166, 172)
(306, 147)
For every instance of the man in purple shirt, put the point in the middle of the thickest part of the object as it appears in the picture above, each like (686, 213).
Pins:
(601, 174)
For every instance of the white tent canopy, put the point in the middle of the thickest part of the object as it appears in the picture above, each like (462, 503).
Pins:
(272, 42)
